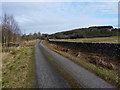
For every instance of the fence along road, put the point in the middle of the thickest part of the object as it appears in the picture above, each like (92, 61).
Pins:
(48, 77)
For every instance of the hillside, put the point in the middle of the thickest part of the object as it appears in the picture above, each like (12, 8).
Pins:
(97, 31)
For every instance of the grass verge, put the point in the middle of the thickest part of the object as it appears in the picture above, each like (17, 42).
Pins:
(109, 75)
(113, 39)
(18, 67)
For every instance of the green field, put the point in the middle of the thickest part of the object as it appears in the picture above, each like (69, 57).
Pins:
(114, 39)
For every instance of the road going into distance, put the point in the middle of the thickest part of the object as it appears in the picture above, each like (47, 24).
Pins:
(49, 77)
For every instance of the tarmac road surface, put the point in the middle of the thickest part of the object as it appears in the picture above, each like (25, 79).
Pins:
(48, 77)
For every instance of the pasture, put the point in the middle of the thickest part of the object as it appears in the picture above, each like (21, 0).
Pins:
(114, 39)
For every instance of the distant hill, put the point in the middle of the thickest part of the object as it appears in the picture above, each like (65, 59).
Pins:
(95, 31)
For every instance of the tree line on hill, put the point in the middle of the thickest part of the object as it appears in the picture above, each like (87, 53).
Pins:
(31, 36)
(90, 32)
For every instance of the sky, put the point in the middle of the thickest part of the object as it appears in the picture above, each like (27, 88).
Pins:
(52, 17)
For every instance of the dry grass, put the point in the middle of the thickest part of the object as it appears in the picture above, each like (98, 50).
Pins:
(18, 65)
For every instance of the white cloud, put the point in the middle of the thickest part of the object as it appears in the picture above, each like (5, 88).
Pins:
(22, 20)
(54, 17)
(52, 26)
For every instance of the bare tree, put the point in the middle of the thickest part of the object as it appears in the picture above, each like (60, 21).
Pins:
(10, 30)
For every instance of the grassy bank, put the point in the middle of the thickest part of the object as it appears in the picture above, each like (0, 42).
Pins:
(109, 75)
(18, 66)
(114, 39)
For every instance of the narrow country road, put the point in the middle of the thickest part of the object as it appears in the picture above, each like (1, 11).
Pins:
(48, 77)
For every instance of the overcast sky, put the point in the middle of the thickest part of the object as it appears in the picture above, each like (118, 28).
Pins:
(51, 17)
